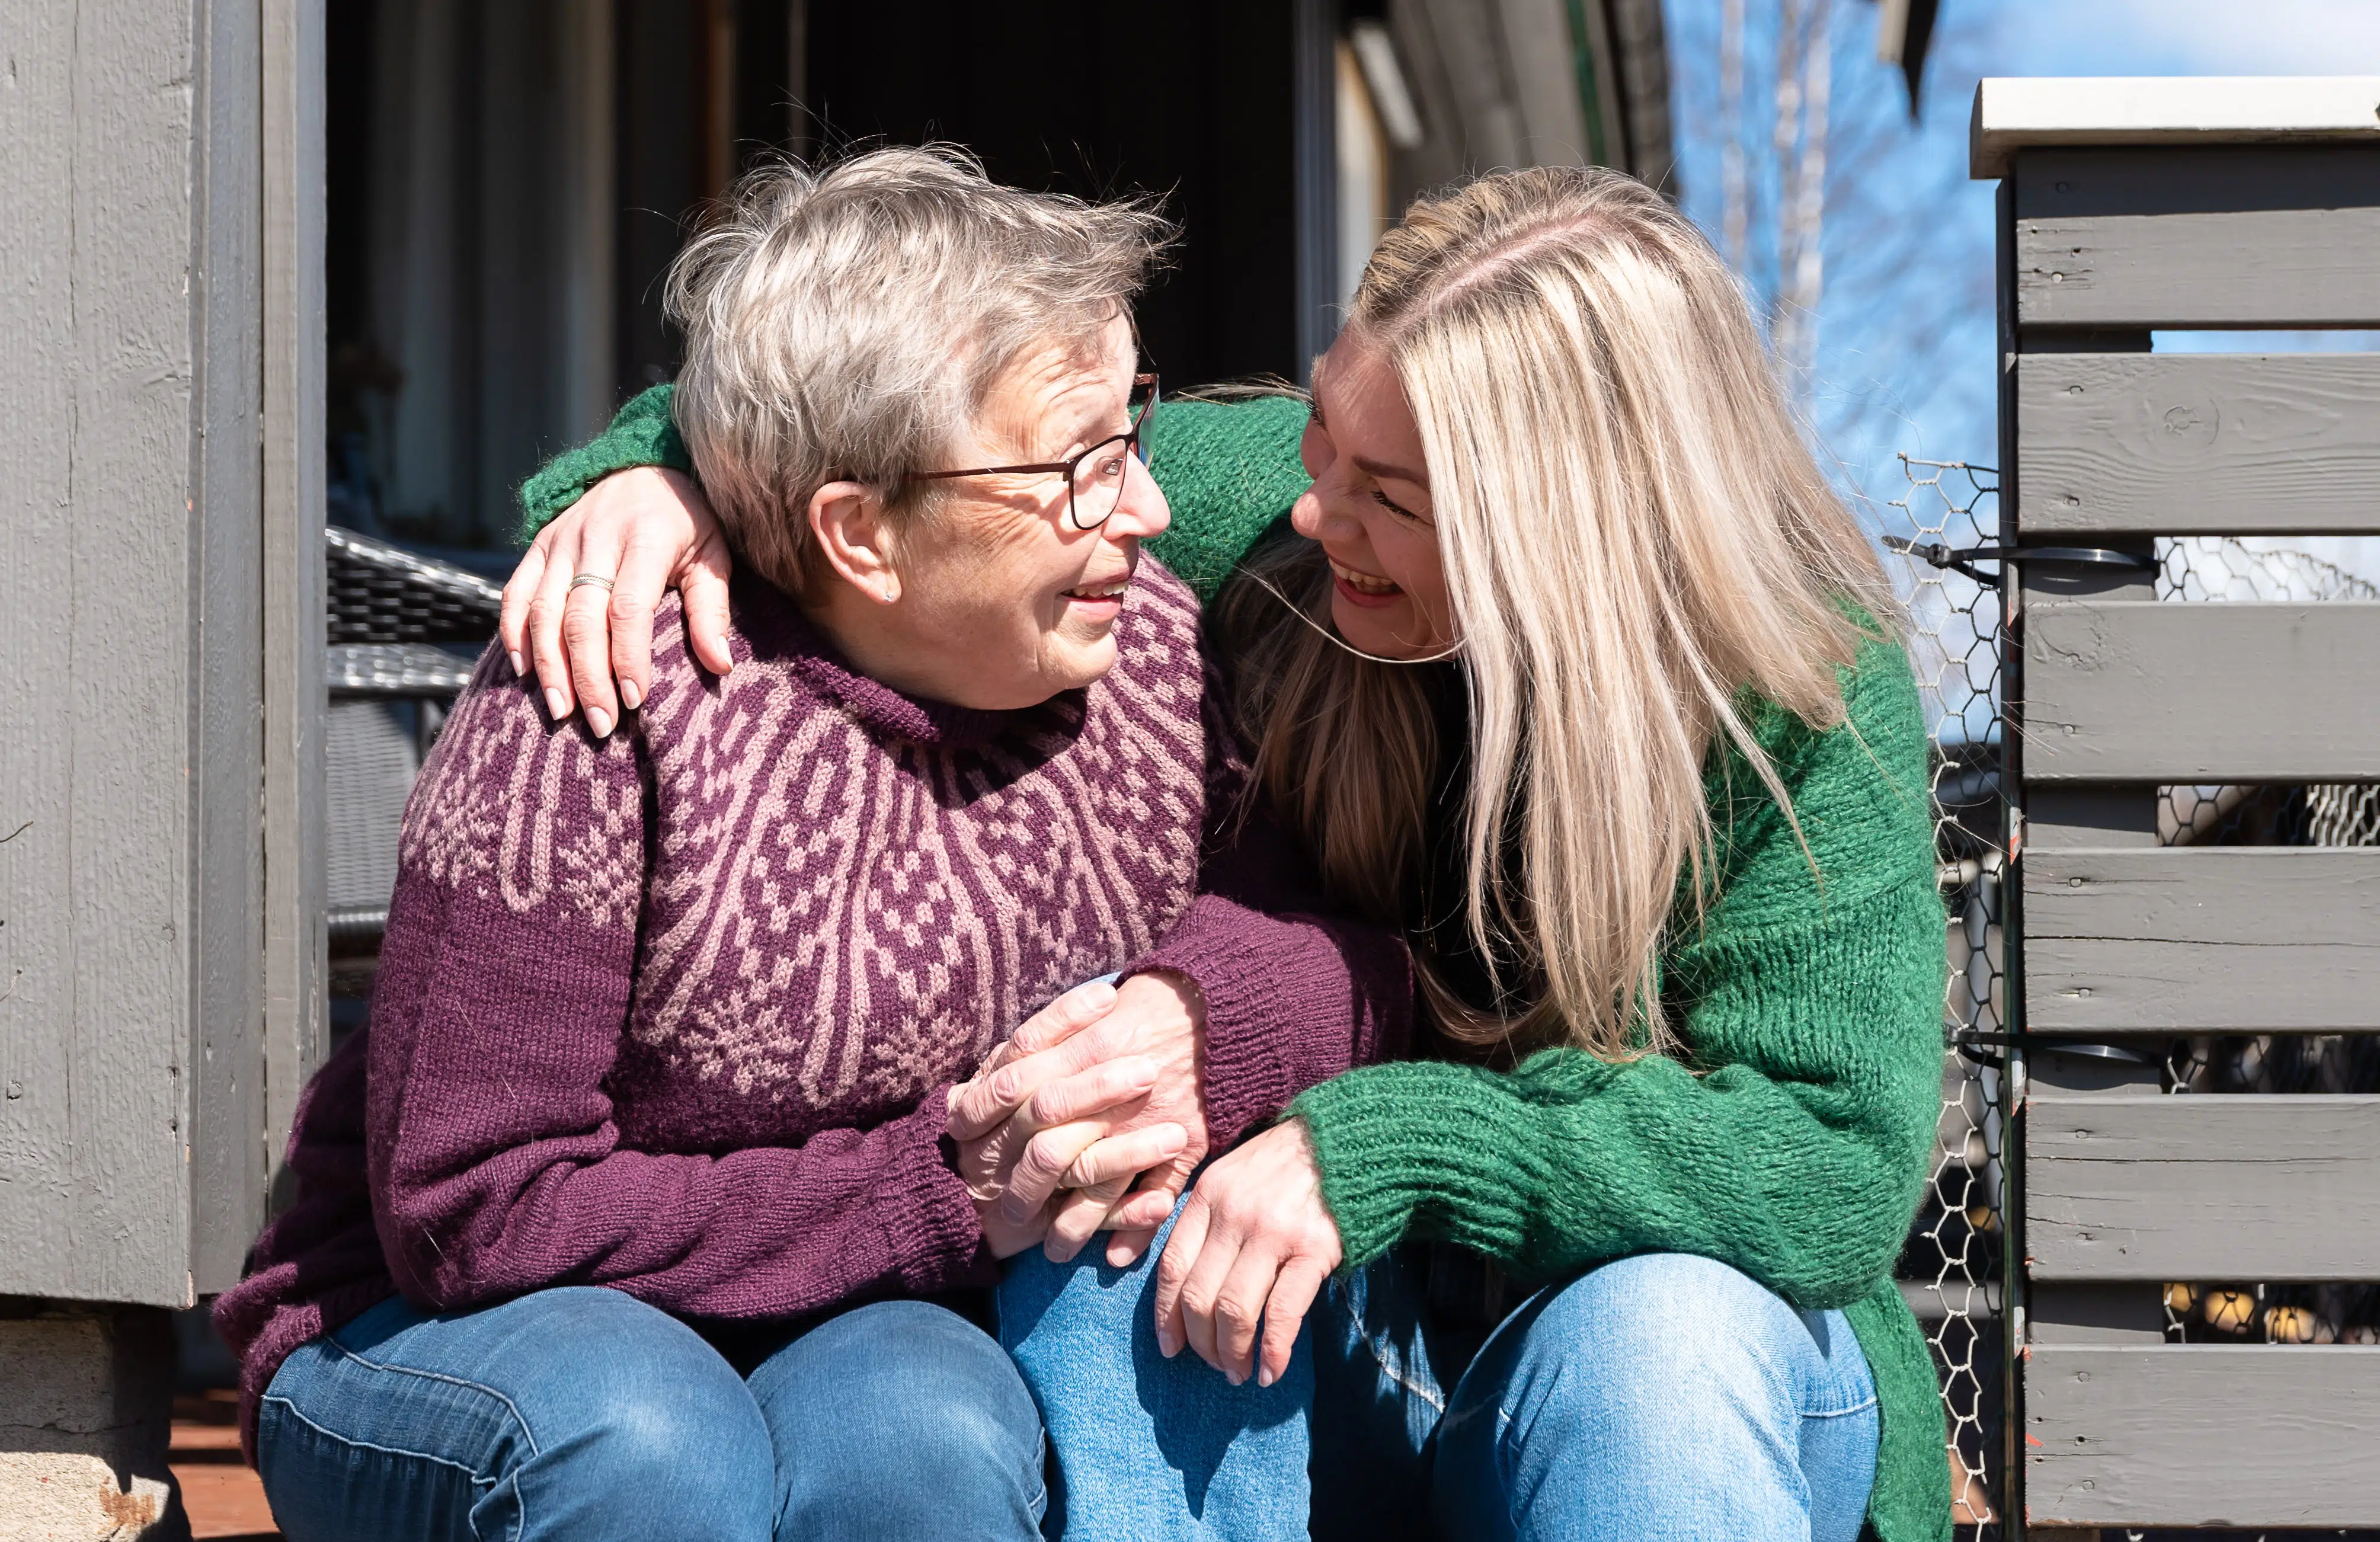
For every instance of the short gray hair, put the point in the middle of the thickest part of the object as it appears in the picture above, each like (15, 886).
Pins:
(845, 323)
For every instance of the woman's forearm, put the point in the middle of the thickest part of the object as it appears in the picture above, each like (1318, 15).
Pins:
(1799, 1161)
(1230, 470)
(643, 432)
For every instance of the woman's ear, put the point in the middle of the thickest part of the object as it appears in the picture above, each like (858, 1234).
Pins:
(847, 521)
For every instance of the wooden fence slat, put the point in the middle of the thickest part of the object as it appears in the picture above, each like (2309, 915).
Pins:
(2199, 444)
(2204, 1436)
(2222, 1187)
(2213, 940)
(2247, 236)
(2145, 691)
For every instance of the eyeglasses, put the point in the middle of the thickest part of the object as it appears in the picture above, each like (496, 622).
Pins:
(1095, 479)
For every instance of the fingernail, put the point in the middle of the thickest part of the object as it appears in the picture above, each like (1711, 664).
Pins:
(599, 721)
(1236, 1378)
(555, 706)
(515, 659)
(631, 696)
(1263, 1376)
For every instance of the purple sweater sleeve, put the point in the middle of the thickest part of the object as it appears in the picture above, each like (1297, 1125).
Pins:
(1294, 995)
(495, 1162)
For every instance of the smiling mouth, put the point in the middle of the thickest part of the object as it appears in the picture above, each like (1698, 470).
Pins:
(1364, 583)
(1099, 592)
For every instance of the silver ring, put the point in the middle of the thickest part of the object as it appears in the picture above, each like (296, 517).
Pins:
(591, 578)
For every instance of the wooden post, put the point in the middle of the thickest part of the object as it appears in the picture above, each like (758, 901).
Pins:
(160, 623)
(2129, 207)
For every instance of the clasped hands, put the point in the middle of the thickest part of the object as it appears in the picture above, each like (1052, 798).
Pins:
(1092, 1116)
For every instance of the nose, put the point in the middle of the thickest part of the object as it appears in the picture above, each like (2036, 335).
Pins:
(1317, 516)
(1141, 508)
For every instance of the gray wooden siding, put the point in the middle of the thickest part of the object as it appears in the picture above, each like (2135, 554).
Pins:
(2204, 1436)
(2278, 236)
(2216, 940)
(226, 1068)
(2140, 691)
(131, 633)
(100, 613)
(2200, 444)
(296, 840)
(2233, 1187)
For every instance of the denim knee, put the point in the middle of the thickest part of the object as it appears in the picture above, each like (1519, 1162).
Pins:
(901, 1419)
(572, 1412)
(1672, 1385)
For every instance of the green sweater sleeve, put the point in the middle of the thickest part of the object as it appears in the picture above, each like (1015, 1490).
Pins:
(644, 432)
(1230, 469)
(1795, 1147)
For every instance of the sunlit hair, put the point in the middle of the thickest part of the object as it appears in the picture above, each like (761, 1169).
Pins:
(845, 323)
(1634, 533)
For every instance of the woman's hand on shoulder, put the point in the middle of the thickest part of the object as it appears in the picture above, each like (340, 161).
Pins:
(1250, 1251)
(643, 531)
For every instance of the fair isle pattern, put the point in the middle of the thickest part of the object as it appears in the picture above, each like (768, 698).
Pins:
(508, 810)
(835, 915)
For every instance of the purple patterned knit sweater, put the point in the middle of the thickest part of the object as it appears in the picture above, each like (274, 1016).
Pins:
(675, 1012)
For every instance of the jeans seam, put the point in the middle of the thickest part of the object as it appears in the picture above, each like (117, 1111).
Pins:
(510, 1407)
(327, 1433)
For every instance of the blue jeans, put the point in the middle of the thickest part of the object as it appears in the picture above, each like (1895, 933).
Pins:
(584, 1415)
(1660, 1396)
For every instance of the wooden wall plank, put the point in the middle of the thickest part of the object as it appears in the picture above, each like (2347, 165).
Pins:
(2204, 1436)
(296, 830)
(2201, 939)
(2245, 236)
(225, 1070)
(2229, 1187)
(2141, 691)
(2199, 444)
(98, 620)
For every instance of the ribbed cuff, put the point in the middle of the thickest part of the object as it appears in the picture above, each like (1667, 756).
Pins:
(931, 1229)
(1424, 1142)
(644, 432)
(1259, 1016)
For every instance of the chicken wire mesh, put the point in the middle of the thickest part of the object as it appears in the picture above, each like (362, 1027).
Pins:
(2214, 570)
(1950, 1269)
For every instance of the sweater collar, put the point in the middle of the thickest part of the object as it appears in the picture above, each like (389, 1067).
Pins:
(769, 626)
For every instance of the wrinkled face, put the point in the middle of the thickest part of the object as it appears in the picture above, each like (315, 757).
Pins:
(1369, 507)
(1006, 603)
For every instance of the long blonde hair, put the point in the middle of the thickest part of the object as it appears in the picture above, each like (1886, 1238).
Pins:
(1635, 534)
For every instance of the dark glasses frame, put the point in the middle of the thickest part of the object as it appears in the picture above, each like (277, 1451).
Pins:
(1131, 439)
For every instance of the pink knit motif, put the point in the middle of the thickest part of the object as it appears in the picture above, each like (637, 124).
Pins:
(837, 916)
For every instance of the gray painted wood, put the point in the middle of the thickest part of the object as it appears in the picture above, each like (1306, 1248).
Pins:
(295, 837)
(2204, 1436)
(2124, 691)
(2201, 939)
(2278, 235)
(100, 607)
(130, 671)
(225, 1073)
(2232, 1187)
(2065, 1313)
(2077, 1069)
(2200, 444)
(2015, 114)
(2061, 814)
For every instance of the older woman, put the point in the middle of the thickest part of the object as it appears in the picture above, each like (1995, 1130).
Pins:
(677, 1010)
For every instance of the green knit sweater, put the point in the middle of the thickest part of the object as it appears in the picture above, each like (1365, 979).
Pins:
(1794, 1145)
